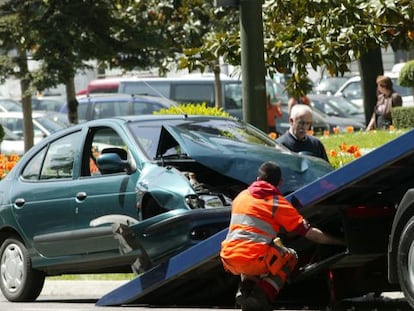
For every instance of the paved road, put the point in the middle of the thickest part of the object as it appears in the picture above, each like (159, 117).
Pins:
(82, 295)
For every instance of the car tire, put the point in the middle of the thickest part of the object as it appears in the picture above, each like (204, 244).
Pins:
(405, 262)
(18, 281)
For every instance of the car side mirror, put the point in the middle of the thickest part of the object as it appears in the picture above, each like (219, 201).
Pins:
(111, 163)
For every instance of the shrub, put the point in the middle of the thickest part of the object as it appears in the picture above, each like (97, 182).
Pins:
(406, 77)
(194, 109)
(403, 117)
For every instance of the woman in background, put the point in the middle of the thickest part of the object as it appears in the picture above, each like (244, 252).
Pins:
(387, 99)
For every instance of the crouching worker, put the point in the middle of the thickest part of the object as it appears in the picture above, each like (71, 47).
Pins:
(252, 248)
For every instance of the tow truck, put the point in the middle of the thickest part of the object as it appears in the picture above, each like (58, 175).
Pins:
(369, 202)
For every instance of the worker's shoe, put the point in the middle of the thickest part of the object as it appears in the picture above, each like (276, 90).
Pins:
(244, 290)
(257, 300)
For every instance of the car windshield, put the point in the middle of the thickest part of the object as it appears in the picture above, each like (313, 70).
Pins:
(148, 134)
(345, 105)
(49, 124)
(330, 85)
(10, 105)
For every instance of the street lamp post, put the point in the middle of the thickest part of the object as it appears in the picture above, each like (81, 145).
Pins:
(252, 63)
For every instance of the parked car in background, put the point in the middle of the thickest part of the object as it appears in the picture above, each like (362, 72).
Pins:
(47, 103)
(200, 88)
(8, 104)
(104, 85)
(11, 143)
(321, 122)
(150, 172)
(337, 106)
(329, 85)
(341, 124)
(44, 123)
(98, 106)
(352, 90)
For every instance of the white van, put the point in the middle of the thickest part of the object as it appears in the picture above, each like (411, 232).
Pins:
(193, 88)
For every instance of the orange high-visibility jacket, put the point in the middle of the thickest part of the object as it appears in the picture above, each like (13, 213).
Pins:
(255, 222)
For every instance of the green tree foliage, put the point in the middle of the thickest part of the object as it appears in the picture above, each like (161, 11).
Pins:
(406, 77)
(65, 34)
(72, 32)
(17, 38)
(320, 33)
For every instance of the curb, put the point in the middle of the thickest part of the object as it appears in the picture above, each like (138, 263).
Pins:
(80, 288)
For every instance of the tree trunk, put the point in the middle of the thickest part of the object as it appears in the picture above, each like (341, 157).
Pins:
(26, 100)
(72, 101)
(370, 67)
(218, 91)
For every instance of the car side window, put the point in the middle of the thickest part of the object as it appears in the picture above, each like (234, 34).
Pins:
(145, 108)
(233, 95)
(104, 110)
(60, 158)
(55, 162)
(193, 93)
(103, 140)
(83, 111)
(32, 169)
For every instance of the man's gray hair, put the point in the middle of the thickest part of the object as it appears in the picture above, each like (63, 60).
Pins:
(300, 109)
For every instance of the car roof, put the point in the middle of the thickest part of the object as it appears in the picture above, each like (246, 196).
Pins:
(19, 114)
(322, 96)
(189, 77)
(133, 118)
(108, 97)
(149, 117)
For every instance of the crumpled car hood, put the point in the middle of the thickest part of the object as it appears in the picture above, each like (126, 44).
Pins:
(240, 160)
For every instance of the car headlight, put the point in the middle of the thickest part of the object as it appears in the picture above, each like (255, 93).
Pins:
(193, 201)
(209, 200)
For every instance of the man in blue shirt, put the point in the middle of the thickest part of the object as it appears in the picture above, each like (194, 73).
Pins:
(296, 138)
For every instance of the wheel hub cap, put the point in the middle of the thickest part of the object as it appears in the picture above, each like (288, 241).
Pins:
(12, 267)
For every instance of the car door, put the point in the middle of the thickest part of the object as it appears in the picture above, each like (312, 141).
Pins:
(60, 202)
(99, 196)
(43, 201)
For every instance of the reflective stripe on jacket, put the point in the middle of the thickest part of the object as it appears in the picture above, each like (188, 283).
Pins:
(255, 222)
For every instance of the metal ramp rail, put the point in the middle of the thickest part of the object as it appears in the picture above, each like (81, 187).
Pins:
(200, 259)
(385, 170)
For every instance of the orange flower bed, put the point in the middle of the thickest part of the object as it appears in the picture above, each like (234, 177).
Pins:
(7, 162)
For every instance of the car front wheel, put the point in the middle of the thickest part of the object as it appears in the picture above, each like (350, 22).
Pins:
(18, 281)
(405, 262)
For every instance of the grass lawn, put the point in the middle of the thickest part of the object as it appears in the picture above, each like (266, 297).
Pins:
(103, 276)
(346, 147)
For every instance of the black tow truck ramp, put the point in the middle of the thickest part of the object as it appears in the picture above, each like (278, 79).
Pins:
(197, 267)
(373, 183)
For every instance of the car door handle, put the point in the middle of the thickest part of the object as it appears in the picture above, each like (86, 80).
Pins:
(81, 196)
(19, 202)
